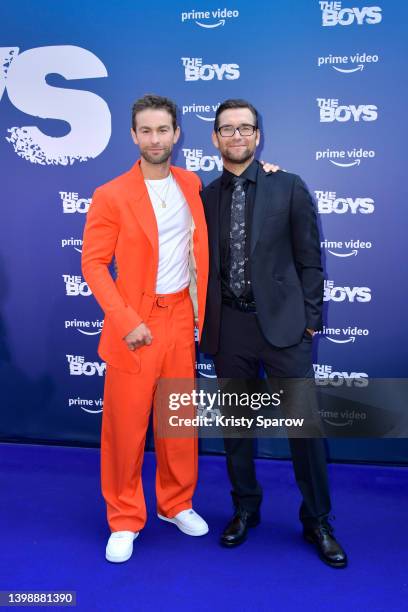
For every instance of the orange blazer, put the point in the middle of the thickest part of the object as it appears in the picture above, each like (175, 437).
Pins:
(121, 223)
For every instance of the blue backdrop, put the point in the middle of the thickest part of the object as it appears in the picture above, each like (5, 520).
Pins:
(328, 80)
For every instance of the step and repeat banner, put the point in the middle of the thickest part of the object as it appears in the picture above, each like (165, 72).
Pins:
(329, 81)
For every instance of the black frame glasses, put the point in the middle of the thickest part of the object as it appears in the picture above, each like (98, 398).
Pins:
(228, 131)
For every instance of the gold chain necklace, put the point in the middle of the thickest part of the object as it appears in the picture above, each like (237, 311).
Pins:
(162, 200)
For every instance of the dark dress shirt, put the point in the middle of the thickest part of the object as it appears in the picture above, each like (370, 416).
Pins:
(250, 175)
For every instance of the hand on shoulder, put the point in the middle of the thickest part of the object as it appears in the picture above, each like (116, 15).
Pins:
(268, 167)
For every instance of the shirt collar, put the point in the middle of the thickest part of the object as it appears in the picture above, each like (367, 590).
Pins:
(250, 174)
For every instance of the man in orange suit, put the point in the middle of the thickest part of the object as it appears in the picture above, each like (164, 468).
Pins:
(152, 221)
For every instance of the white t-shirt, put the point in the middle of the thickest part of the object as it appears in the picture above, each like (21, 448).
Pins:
(174, 225)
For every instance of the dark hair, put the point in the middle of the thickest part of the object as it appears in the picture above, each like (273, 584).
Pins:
(157, 103)
(235, 103)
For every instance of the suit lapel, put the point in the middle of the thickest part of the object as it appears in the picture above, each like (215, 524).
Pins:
(212, 207)
(142, 206)
(190, 192)
(263, 197)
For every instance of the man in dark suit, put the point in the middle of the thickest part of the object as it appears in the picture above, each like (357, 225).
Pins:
(264, 302)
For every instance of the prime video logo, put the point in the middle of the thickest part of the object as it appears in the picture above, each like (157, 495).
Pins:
(354, 156)
(331, 110)
(195, 70)
(205, 112)
(352, 247)
(333, 14)
(85, 327)
(209, 19)
(76, 243)
(343, 335)
(341, 63)
(92, 406)
(205, 368)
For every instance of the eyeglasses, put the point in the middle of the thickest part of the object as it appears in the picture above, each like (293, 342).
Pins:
(226, 131)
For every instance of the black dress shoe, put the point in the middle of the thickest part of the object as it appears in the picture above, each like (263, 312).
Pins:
(236, 531)
(328, 548)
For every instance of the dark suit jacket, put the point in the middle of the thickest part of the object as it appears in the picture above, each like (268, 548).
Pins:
(285, 260)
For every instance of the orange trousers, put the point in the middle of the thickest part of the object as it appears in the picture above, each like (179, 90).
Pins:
(128, 400)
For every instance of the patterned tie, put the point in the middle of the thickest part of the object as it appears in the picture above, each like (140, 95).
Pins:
(237, 237)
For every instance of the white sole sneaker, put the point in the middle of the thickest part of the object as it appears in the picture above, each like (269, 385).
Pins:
(184, 528)
(122, 558)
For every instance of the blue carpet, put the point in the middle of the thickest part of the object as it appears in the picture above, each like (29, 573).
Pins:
(54, 534)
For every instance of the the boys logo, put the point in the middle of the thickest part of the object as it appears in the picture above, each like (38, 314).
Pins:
(340, 294)
(333, 14)
(330, 111)
(79, 367)
(195, 70)
(328, 202)
(324, 375)
(75, 286)
(24, 76)
(195, 161)
(72, 203)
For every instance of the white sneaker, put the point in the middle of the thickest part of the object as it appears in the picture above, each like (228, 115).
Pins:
(189, 522)
(120, 546)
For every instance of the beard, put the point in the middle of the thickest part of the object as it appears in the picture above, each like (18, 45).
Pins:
(156, 159)
(236, 157)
